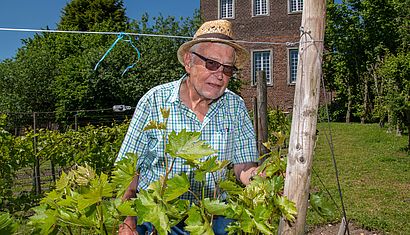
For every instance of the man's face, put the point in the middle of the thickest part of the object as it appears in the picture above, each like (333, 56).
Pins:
(209, 84)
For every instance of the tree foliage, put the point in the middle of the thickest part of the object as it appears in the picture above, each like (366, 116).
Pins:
(55, 72)
(360, 34)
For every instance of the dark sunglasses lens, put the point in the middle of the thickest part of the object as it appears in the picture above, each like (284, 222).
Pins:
(212, 65)
(228, 71)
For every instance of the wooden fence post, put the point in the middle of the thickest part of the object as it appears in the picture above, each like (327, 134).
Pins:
(255, 118)
(37, 181)
(262, 109)
(304, 119)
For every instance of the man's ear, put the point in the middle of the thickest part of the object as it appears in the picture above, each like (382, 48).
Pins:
(187, 62)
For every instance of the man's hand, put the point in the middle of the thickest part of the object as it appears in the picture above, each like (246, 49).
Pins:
(128, 227)
(246, 176)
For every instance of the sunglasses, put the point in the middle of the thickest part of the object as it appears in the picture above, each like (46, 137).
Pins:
(213, 65)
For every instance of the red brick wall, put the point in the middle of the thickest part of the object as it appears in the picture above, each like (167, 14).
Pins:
(278, 27)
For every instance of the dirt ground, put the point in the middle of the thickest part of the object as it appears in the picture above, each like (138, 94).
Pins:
(333, 229)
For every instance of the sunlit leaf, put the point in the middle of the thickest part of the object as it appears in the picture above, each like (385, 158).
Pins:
(150, 211)
(287, 207)
(7, 224)
(187, 145)
(165, 112)
(62, 182)
(230, 187)
(124, 173)
(99, 188)
(176, 186)
(126, 208)
(84, 175)
(195, 224)
(155, 125)
(215, 207)
(320, 205)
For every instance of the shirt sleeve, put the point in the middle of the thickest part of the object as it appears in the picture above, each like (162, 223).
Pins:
(245, 141)
(136, 139)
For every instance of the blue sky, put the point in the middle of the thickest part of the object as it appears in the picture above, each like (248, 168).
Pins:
(37, 14)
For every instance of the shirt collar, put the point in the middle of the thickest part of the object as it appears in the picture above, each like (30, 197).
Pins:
(175, 93)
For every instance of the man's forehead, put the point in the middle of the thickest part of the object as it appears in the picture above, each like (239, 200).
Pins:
(205, 45)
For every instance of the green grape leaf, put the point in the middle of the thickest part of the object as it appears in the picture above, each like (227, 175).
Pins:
(99, 188)
(52, 198)
(212, 164)
(188, 146)
(194, 216)
(287, 207)
(262, 226)
(7, 224)
(262, 213)
(150, 211)
(247, 223)
(155, 125)
(124, 173)
(177, 211)
(176, 186)
(44, 219)
(62, 182)
(195, 224)
(215, 207)
(276, 184)
(165, 112)
(126, 208)
(320, 205)
(231, 187)
(199, 175)
(83, 175)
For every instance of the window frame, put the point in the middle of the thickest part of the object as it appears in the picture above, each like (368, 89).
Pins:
(289, 70)
(299, 8)
(269, 82)
(267, 8)
(220, 9)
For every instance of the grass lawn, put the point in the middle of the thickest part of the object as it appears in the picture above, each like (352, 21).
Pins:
(374, 173)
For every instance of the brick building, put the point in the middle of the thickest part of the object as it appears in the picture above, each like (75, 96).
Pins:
(275, 22)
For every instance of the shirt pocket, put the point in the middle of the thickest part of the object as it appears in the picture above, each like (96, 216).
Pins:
(155, 151)
(222, 140)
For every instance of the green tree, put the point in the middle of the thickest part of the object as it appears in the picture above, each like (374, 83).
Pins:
(85, 15)
(359, 34)
(395, 73)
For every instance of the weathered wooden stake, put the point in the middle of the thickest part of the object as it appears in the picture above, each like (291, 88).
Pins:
(255, 117)
(262, 108)
(304, 119)
(37, 181)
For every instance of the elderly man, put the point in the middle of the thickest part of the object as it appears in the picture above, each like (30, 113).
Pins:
(199, 101)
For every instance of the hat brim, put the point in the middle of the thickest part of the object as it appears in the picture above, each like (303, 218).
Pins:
(242, 54)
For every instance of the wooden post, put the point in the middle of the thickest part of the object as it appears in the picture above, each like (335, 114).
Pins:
(37, 181)
(255, 117)
(304, 119)
(76, 121)
(262, 108)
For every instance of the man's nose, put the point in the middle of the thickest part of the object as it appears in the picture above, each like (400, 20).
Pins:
(220, 72)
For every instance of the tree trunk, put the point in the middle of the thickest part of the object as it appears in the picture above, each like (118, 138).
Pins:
(349, 104)
(365, 102)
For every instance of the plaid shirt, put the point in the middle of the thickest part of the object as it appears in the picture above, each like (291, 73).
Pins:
(226, 127)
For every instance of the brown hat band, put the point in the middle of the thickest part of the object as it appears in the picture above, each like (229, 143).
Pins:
(215, 35)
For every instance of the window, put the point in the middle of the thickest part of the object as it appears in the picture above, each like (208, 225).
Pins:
(226, 8)
(260, 7)
(293, 65)
(295, 5)
(261, 61)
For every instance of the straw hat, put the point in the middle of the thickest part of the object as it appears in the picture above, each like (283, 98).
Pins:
(215, 31)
